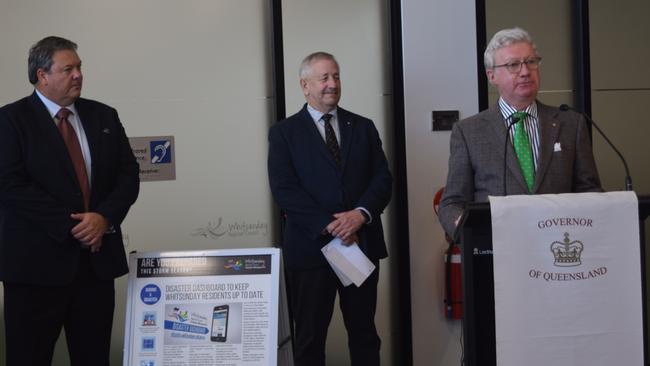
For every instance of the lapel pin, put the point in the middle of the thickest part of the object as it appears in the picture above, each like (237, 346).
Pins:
(106, 131)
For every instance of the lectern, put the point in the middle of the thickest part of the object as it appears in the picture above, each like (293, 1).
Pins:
(478, 282)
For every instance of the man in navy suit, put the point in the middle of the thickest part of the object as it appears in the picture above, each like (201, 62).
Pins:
(329, 175)
(67, 179)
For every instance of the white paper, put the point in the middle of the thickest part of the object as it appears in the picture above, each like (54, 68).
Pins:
(348, 262)
(345, 280)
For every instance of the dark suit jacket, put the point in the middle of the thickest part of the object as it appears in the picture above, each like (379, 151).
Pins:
(309, 188)
(566, 161)
(39, 190)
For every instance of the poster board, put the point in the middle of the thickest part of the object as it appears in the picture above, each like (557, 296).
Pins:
(217, 307)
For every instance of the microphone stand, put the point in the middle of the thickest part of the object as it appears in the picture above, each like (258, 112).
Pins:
(628, 178)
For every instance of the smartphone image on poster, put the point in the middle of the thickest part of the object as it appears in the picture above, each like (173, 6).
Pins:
(219, 323)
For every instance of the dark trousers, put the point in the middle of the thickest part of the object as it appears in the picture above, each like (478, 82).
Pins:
(34, 316)
(312, 293)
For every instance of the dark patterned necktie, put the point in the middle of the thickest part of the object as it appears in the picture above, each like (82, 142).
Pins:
(330, 140)
(74, 150)
(523, 150)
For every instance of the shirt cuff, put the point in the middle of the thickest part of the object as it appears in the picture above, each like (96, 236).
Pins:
(365, 214)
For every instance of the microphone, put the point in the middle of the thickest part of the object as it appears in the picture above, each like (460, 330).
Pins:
(628, 178)
(505, 155)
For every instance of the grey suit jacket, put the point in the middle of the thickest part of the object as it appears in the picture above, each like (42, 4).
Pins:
(476, 162)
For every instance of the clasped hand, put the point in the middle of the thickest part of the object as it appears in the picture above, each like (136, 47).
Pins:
(90, 229)
(345, 226)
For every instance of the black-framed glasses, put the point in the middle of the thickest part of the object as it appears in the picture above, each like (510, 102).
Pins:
(515, 66)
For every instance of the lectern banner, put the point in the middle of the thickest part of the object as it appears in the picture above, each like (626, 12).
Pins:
(567, 279)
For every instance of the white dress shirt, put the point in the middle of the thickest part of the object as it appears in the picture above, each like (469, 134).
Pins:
(75, 122)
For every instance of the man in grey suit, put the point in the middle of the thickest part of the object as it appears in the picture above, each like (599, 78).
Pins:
(542, 149)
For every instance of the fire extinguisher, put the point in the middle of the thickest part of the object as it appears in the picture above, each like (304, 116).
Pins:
(453, 286)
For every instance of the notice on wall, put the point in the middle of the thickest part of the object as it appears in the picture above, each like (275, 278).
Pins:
(155, 155)
(215, 307)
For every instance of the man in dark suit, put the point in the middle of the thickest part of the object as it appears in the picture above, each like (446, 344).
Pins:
(549, 150)
(67, 179)
(329, 175)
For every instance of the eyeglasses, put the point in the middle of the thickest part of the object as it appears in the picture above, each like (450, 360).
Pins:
(515, 66)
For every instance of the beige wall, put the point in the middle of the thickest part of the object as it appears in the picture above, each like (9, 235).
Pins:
(439, 52)
(620, 82)
(620, 93)
(549, 23)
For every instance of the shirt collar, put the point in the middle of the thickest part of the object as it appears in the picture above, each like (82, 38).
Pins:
(316, 115)
(52, 107)
(507, 110)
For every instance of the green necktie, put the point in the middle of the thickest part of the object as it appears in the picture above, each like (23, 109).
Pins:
(523, 150)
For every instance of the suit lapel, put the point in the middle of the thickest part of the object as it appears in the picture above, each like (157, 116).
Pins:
(495, 119)
(52, 136)
(92, 129)
(346, 128)
(549, 128)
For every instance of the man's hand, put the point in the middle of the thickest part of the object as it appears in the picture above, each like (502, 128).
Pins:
(346, 225)
(354, 238)
(90, 230)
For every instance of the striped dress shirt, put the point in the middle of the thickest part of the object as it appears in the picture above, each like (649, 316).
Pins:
(531, 122)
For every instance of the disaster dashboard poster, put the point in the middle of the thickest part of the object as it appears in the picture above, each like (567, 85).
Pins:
(215, 307)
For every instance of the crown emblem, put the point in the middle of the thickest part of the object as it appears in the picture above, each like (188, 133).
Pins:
(567, 253)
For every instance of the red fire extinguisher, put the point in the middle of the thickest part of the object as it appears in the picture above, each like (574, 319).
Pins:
(453, 286)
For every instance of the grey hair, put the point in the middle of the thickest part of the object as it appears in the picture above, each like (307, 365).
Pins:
(40, 55)
(503, 38)
(305, 65)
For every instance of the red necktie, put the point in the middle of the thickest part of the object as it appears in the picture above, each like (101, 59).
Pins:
(74, 150)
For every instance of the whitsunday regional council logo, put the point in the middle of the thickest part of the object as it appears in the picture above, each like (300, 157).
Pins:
(567, 254)
(238, 228)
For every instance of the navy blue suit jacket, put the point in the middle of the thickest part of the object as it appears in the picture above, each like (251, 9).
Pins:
(39, 190)
(309, 188)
